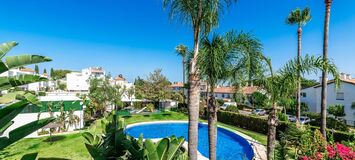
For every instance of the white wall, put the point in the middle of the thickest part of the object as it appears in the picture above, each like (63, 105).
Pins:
(25, 118)
(77, 82)
(314, 101)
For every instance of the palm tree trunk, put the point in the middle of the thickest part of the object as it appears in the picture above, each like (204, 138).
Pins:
(212, 126)
(194, 99)
(298, 114)
(324, 72)
(183, 77)
(271, 135)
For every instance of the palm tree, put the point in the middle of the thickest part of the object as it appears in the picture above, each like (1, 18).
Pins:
(285, 83)
(246, 61)
(323, 126)
(212, 66)
(301, 18)
(203, 16)
(182, 51)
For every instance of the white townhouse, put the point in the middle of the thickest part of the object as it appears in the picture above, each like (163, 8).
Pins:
(344, 95)
(79, 81)
(123, 83)
(37, 86)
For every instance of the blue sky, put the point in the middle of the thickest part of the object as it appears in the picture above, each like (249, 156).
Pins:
(135, 37)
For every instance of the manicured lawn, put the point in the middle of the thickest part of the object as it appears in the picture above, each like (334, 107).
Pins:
(72, 146)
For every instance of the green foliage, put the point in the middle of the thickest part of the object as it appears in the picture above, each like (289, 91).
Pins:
(59, 73)
(353, 105)
(37, 69)
(114, 143)
(151, 107)
(220, 102)
(232, 108)
(282, 117)
(299, 17)
(306, 83)
(260, 125)
(259, 100)
(8, 113)
(336, 110)
(41, 93)
(156, 87)
(332, 123)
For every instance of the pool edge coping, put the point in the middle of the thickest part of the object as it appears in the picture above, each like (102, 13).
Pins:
(255, 144)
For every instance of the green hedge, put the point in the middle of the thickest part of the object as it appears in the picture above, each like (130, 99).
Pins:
(259, 125)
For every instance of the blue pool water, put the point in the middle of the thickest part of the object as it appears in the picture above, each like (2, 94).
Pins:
(230, 146)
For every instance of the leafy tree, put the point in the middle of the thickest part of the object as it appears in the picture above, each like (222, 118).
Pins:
(9, 112)
(202, 15)
(44, 71)
(259, 100)
(156, 87)
(336, 110)
(36, 69)
(130, 93)
(51, 72)
(139, 87)
(306, 83)
(59, 73)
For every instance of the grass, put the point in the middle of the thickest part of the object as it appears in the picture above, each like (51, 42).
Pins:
(71, 146)
(10, 97)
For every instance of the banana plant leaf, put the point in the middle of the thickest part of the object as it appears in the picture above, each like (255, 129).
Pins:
(6, 47)
(8, 82)
(23, 131)
(21, 60)
(10, 112)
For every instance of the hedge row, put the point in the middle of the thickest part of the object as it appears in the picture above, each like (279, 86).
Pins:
(259, 125)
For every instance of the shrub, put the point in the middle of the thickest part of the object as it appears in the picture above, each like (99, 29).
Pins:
(259, 125)
(41, 93)
(232, 108)
(331, 124)
(336, 110)
(150, 107)
(258, 99)
(220, 102)
(282, 117)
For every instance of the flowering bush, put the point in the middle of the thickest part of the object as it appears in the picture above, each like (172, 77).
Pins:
(332, 152)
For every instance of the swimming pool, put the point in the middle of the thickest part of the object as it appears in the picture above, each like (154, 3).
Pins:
(230, 146)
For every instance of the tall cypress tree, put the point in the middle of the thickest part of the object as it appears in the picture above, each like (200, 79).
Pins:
(52, 72)
(44, 71)
(37, 69)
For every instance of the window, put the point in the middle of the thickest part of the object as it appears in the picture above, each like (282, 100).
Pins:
(340, 96)
(222, 95)
(303, 94)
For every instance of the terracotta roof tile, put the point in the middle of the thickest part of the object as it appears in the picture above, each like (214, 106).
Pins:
(177, 84)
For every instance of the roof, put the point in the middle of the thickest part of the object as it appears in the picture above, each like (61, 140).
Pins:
(118, 78)
(224, 90)
(27, 70)
(350, 81)
(178, 84)
(249, 89)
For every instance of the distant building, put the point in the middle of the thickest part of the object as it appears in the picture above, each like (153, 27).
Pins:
(177, 86)
(79, 81)
(123, 83)
(344, 95)
(37, 86)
